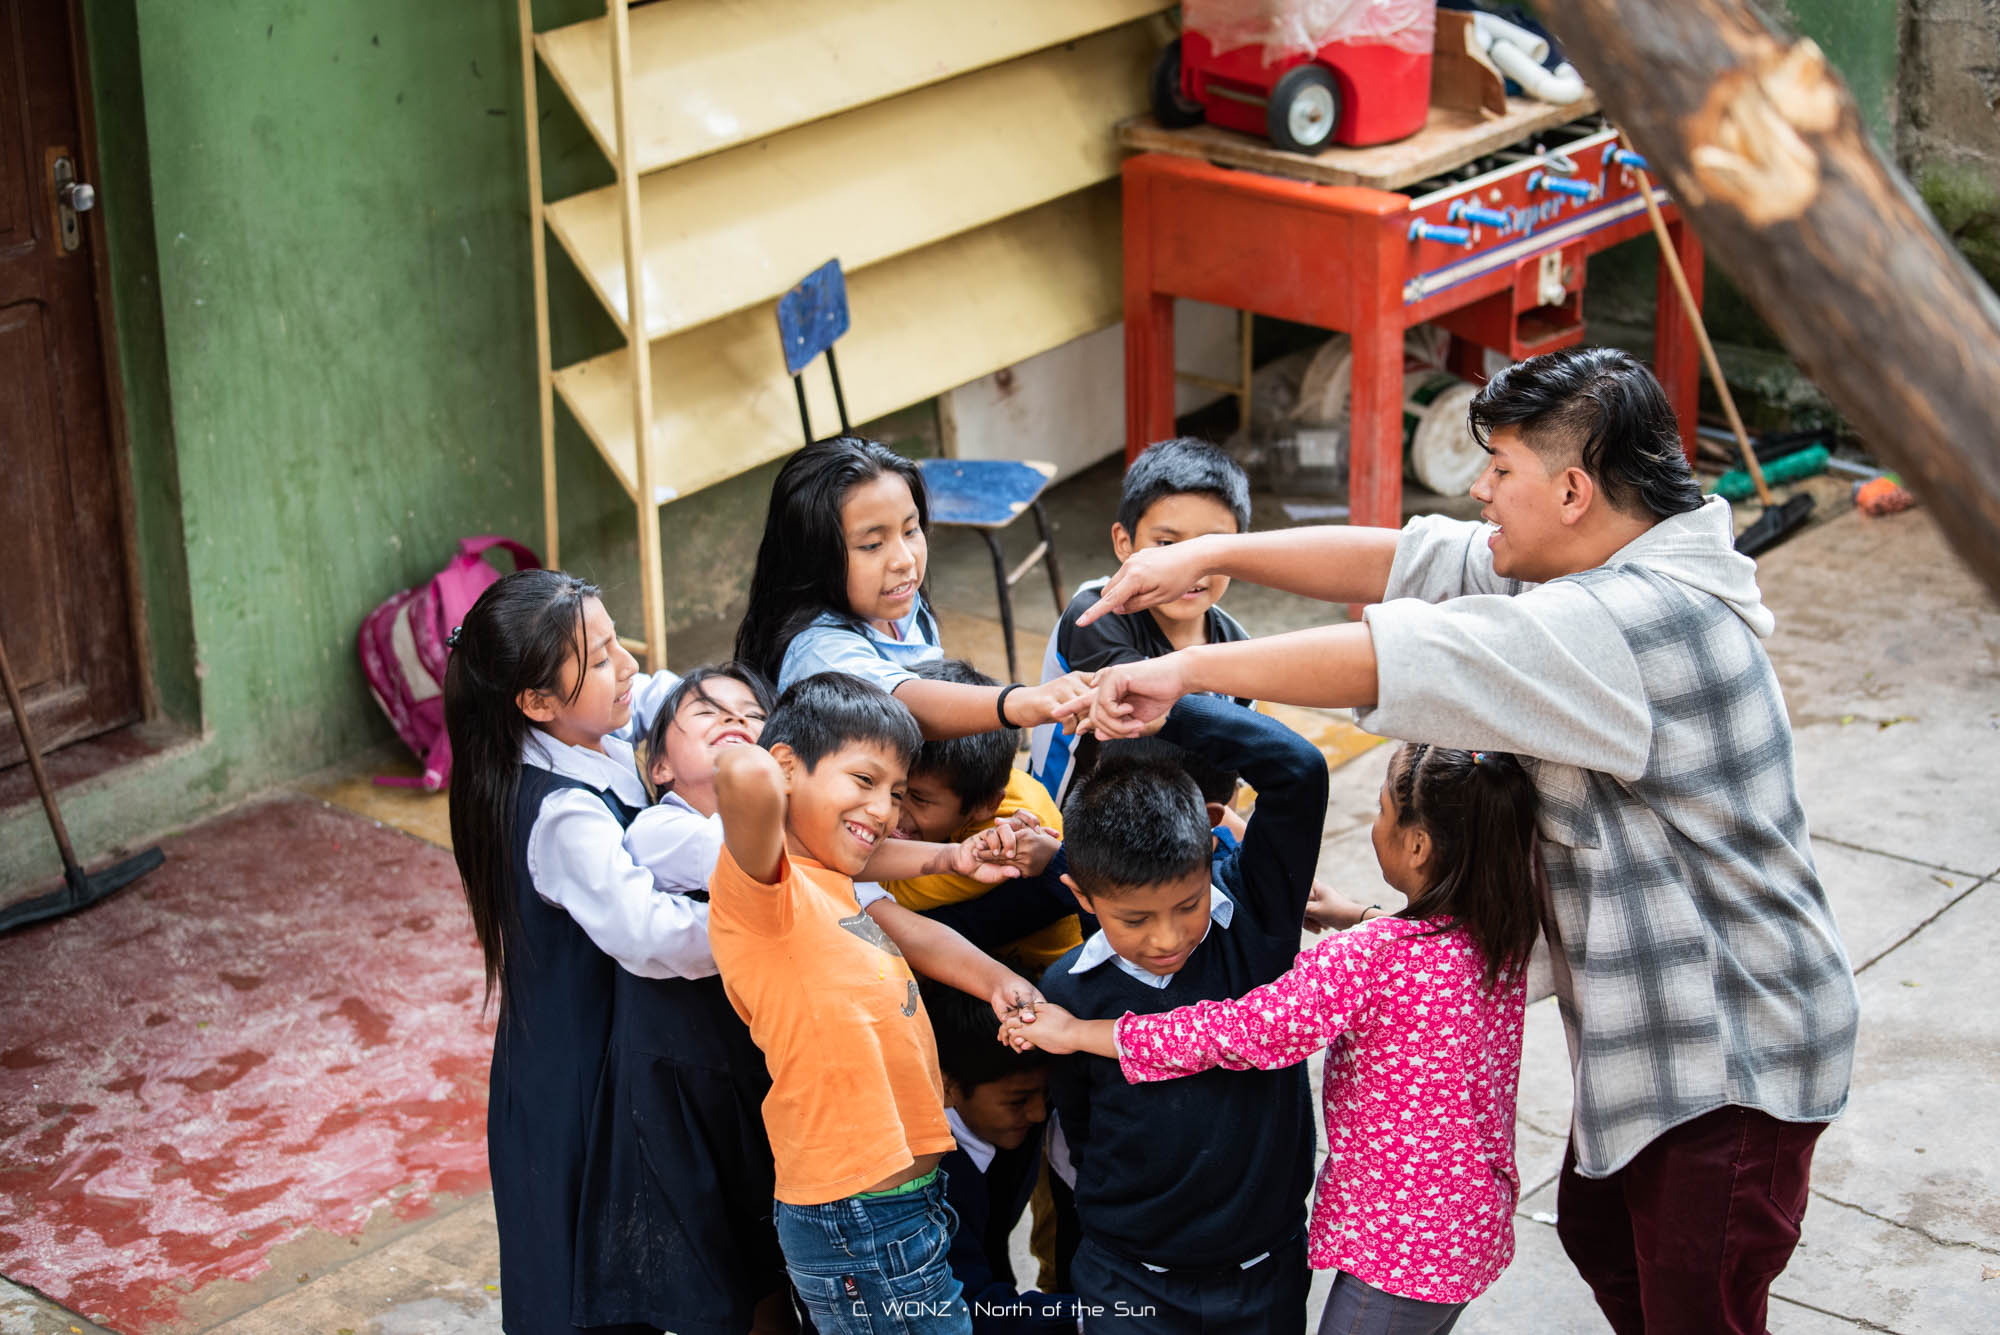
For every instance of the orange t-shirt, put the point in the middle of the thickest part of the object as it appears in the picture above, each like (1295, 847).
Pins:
(855, 1090)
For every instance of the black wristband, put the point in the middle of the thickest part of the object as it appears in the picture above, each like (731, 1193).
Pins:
(1000, 702)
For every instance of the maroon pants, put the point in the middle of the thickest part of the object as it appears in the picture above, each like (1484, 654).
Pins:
(1687, 1237)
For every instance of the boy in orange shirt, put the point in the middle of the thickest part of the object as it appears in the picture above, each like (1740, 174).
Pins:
(856, 1108)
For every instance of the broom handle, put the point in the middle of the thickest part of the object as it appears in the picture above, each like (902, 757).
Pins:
(1672, 259)
(35, 759)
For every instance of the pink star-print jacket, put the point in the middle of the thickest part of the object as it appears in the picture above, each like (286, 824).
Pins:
(1417, 1193)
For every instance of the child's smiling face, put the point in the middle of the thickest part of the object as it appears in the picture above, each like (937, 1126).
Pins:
(719, 713)
(840, 810)
(1155, 926)
(886, 548)
(1172, 519)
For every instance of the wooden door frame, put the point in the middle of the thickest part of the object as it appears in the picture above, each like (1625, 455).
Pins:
(117, 428)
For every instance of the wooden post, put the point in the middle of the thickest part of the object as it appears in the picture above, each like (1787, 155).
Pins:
(544, 367)
(1761, 146)
(651, 589)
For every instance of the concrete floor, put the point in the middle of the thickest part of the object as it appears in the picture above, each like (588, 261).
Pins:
(1890, 656)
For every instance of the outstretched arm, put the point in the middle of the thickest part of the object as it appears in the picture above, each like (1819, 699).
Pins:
(936, 951)
(1336, 564)
(1328, 667)
(1269, 1028)
(952, 709)
(750, 796)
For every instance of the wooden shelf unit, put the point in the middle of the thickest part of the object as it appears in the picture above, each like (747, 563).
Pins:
(956, 158)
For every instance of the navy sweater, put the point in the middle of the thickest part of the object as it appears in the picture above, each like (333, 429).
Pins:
(1210, 1169)
(988, 1206)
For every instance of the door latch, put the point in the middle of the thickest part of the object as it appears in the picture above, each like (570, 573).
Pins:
(72, 197)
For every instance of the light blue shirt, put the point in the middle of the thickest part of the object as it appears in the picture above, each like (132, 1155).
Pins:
(834, 643)
(1221, 908)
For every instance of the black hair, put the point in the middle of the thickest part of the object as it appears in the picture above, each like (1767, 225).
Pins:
(517, 637)
(1479, 809)
(820, 714)
(695, 683)
(801, 568)
(1179, 467)
(1602, 406)
(968, 1039)
(1135, 820)
(1216, 784)
(974, 768)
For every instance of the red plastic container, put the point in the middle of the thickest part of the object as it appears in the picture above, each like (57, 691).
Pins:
(1342, 93)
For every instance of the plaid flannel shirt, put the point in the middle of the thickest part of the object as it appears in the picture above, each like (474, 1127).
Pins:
(1698, 963)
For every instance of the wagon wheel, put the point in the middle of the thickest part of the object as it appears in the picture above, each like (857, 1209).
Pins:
(1172, 107)
(1304, 110)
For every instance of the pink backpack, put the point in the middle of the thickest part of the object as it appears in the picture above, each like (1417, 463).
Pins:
(403, 651)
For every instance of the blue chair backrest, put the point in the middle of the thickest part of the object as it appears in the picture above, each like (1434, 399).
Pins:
(812, 315)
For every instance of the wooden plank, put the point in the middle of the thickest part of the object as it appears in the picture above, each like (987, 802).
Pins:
(710, 74)
(923, 323)
(544, 365)
(735, 229)
(652, 590)
(1449, 139)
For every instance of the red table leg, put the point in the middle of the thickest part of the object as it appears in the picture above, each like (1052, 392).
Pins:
(1149, 330)
(1676, 354)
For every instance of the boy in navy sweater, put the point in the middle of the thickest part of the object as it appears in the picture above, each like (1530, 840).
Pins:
(996, 1101)
(1191, 1192)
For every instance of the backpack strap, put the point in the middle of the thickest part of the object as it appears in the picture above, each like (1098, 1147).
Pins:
(460, 583)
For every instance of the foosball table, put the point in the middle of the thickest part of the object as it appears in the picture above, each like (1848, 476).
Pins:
(1483, 227)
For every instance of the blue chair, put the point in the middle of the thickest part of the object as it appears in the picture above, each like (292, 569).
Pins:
(984, 495)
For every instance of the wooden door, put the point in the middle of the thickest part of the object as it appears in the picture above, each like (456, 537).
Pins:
(66, 613)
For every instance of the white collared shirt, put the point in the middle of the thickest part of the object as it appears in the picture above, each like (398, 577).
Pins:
(577, 859)
(980, 1152)
(1221, 908)
(676, 843)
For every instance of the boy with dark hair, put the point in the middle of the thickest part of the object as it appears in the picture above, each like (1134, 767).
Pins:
(959, 786)
(856, 1109)
(1601, 624)
(1176, 490)
(1191, 1193)
(996, 1101)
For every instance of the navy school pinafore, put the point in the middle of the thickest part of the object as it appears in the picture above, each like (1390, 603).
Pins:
(631, 1174)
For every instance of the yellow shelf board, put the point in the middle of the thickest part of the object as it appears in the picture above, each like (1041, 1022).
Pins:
(710, 74)
(736, 229)
(923, 323)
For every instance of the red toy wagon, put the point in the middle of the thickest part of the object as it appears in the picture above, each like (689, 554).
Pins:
(1304, 73)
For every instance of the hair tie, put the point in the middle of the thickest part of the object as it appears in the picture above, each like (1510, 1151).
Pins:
(451, 640)
(1477, 756)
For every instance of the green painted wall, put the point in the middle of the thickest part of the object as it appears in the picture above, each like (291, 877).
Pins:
(1859, 38)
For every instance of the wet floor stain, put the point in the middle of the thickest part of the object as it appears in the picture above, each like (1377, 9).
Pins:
(276, 1032)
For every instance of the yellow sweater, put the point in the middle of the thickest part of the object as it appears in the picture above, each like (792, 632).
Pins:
(1038, 951)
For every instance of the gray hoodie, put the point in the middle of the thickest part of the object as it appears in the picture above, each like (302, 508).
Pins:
(1698, 964)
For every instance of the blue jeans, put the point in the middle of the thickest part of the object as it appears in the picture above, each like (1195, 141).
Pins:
(1357, 1308)
(876, 1266)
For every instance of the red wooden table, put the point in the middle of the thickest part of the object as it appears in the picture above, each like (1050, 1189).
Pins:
(1373, 262)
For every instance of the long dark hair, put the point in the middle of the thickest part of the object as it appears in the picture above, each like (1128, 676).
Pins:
(1479, 808)
(516, 638)
(802, 560)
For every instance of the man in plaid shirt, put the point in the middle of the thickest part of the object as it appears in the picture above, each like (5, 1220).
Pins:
(1600, 624)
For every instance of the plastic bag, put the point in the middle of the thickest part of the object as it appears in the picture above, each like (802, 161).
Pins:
(1299, 27)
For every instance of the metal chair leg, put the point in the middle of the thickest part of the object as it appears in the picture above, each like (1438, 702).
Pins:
(1049, 555)
(1006, 600)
